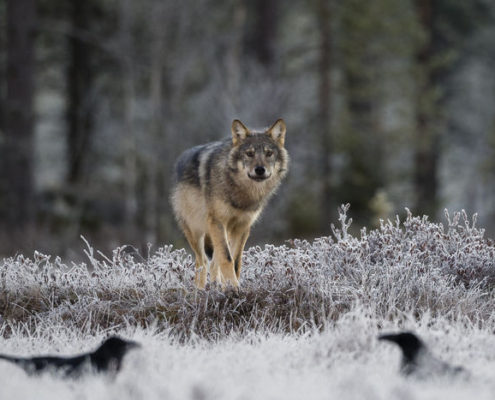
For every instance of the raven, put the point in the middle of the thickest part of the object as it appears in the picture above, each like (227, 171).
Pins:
(106, 358)
(417, 360)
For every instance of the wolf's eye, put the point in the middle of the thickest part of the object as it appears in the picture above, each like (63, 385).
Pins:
(269, 153)
(250, 153)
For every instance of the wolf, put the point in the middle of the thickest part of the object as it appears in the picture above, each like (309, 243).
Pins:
(221, 189)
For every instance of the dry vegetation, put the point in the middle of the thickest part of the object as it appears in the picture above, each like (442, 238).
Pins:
(414, 267)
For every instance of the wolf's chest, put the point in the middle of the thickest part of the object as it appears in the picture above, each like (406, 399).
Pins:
(234, 216)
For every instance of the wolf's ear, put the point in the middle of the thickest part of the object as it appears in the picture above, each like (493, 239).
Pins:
(277, 131)
(239, 132)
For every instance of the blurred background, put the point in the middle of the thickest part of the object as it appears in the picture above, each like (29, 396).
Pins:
(388, 103)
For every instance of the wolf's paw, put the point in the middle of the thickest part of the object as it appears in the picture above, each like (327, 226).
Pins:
(233, 292)
(231, 284)
(200, 280)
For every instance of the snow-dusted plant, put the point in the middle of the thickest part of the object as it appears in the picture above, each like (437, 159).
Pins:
(411, 267)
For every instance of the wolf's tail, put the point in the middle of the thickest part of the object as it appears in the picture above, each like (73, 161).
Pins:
(208, 247)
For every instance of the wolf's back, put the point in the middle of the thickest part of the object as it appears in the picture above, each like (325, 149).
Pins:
(195, 162)
(187, 166)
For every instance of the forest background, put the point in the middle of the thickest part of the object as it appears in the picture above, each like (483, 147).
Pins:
(388, 103)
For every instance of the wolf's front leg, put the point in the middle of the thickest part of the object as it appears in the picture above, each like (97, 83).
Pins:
(215, 274)
(239, 237)
(222, 256)
(201, 270)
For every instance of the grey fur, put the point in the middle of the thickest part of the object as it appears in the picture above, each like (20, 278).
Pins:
(225, 185)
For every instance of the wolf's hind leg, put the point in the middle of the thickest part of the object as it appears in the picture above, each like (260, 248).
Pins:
(196, 241)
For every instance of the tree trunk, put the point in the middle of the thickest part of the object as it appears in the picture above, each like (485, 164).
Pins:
(158, 132)
(362, 175)
(233, 61)
(128, 132)
(427, 135)
(325, 112)
(79, 84)
(16, 158)
(263, 36)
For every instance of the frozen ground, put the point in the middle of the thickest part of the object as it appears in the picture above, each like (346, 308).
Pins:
(303, 327)
(342, 362)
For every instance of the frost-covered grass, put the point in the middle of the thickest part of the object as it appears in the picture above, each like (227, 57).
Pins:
(342, 362)
(304, 324)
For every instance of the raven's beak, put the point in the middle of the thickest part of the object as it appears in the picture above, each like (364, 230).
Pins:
(133, 345)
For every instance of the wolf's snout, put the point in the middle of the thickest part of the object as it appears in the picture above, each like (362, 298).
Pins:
(260, 171)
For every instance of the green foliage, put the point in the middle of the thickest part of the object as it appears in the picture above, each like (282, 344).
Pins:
(377, 44)
(302, 214)
(457, 19)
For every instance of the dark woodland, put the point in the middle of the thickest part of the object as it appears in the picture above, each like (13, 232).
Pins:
(389, 104)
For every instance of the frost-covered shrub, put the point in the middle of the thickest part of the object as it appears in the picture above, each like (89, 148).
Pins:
(414, 267)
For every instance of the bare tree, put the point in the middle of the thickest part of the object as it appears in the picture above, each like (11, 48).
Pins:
(262, 36)
(363, 173)
(16, 172)
(79, 82)
(427, 132)
(325, 110)
(129, 98)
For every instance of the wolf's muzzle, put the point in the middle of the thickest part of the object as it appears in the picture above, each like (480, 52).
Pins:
(260, 174)
(260, 171)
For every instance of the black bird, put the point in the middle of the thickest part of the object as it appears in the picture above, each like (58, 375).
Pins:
(106, 358)
(417, 360)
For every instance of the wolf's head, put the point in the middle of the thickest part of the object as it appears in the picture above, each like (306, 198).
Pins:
(259, 156)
